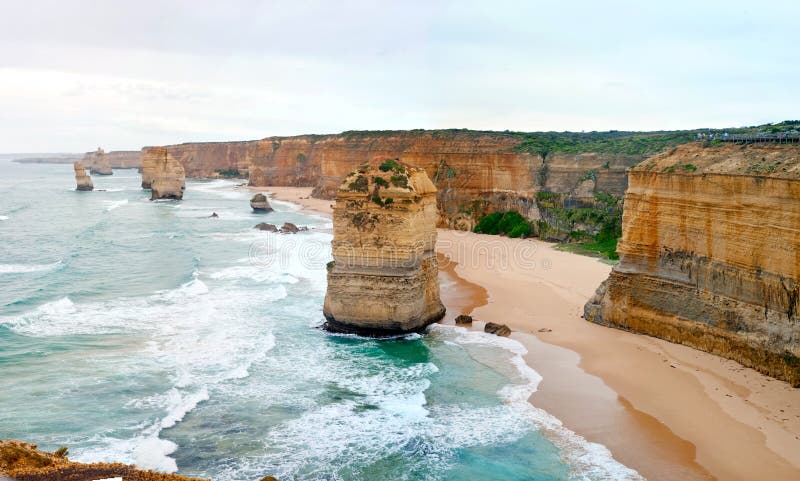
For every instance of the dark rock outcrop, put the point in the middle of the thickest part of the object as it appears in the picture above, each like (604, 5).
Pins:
(464, 319)
(266, 227)
(497, 329)
(259, 203)
(289, 228)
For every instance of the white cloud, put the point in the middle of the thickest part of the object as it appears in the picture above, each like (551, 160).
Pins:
(125, 74)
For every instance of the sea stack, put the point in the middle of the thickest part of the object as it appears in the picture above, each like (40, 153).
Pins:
(82, 179)
(384, 277)
(260, 204)
(167, 179)
(710, 254)
(99, 163)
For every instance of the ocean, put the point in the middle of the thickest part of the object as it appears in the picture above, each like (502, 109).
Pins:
(149, 333)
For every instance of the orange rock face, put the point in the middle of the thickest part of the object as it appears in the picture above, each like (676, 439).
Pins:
(475, 172)
(710, 254)
(164, 174)
(384, 276)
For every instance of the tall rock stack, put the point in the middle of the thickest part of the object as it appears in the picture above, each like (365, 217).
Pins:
(166, 175)
(99, 163)
(383, 279)
(710, 254)
(82, 179)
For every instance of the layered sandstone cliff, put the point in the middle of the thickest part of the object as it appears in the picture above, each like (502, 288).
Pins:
(166, 176)
(82, 180)
(475, 172)
(710, 254)
(384, 278)
(98, 163)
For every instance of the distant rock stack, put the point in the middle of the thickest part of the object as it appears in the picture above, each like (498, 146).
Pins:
(384, 278)
(168, 180)
(260, 204)
(99, 163)
(82, 179)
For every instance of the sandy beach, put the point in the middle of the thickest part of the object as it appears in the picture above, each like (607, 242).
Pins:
(666, 410)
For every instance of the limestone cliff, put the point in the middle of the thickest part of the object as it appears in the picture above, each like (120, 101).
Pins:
(710, 254)
(82, 179)
(167, 179)
(118, 159)
(384, 278)
(475, 172)
(98, 163)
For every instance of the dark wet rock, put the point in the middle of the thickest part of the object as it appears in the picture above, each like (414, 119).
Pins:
(266, 227)
(464, 319)
(289, 228)
(214, 215)
(497, 329)
(259, 203)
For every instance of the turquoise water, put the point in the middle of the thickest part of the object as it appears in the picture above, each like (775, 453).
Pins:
(148, 333)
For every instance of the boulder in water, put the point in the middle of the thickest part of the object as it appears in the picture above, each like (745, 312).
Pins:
(259, 203)
(266, 227)
(289, 228)
(464, 319)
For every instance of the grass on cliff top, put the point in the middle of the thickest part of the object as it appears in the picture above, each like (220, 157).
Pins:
(607, 142)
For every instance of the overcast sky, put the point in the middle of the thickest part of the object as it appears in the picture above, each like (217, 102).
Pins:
(123, 74)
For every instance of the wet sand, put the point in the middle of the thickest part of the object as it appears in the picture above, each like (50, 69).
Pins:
(666, 410)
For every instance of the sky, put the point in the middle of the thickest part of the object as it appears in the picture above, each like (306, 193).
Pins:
(121, 74)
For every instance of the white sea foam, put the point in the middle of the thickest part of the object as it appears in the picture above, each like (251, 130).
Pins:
(587, 460)
(27, 268)
(115, 204)
(3, 217)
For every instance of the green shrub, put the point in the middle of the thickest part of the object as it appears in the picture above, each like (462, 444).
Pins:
(522, 229)
(399, 181)
(488, 224)
(361, 184)
(381, 181)
(511, 223)
(388, 165)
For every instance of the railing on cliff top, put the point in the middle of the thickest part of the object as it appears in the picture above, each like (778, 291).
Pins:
(784, 138)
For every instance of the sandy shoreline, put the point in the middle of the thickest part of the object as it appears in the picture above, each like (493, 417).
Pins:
(666, 410)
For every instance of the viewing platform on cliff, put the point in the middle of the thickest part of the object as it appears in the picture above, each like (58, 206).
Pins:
(783, 138)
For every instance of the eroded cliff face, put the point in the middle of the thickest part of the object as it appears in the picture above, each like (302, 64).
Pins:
(710, 254)
(118, 159)
(98, 163)
(475, 172)
(166, 176)
(384, 278)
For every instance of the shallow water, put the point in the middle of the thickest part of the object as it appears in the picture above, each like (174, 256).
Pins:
(148, 333)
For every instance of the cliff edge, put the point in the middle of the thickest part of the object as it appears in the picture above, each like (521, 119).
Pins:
(710, 254)
(384, 277)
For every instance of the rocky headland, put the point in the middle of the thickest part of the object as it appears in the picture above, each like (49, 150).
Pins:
(24, 462)
(710, 254)
(383, 279)
(82, 180)
(165, 176)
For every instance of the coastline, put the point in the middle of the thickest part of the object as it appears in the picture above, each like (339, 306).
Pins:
(666, 410)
